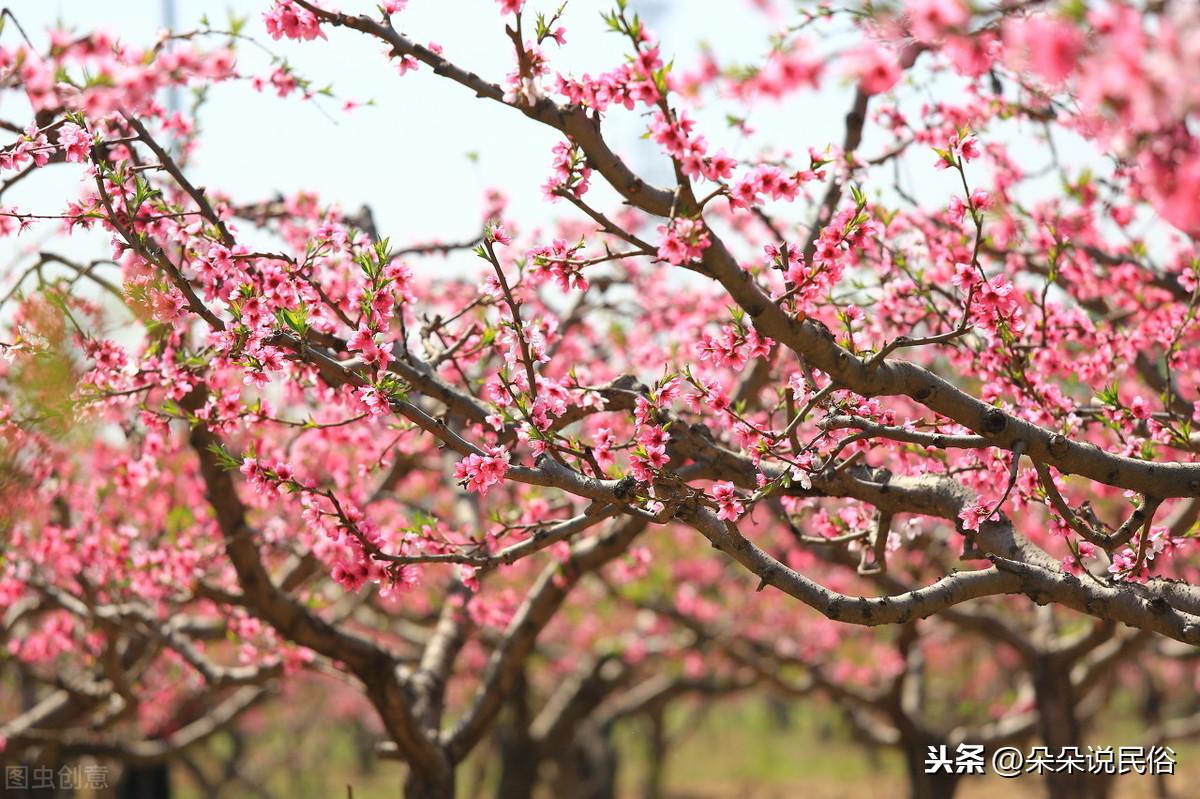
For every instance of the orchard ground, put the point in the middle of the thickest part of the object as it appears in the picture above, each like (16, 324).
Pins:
(735, 748)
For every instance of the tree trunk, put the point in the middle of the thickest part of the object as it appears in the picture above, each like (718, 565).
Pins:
(588, 769)
(1059, 727)
(424, 786)
(921, 785)
(520, 757)
(145, 782)
(656, 751)
(519, 764)
(779, 712)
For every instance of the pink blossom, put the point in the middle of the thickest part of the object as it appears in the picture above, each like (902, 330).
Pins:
(74, 141)
(363, 342)
(479, 472)
(875, 68)
(372, 400)
(1051, 45)
(931, 19)
(287, 19)
(684, 240)
(730, 505)
(972, 515)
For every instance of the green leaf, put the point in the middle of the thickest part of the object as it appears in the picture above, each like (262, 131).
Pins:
(295, 318)
(1109, 395)
(224, 458)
